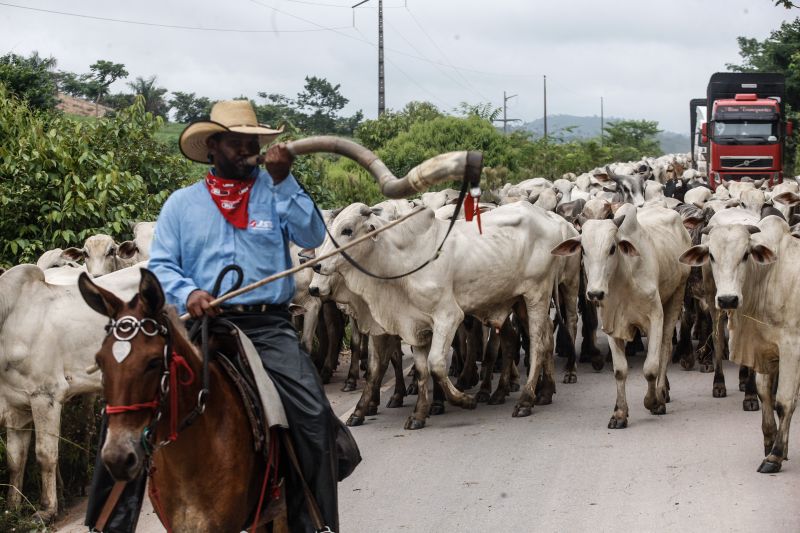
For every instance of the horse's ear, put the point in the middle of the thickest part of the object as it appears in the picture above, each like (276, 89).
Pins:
(150, 293)
(99, 299)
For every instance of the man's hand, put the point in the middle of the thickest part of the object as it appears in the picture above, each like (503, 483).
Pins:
(199, 304)
(278, 162)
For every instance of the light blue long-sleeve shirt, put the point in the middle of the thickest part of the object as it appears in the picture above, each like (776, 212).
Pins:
(193, 242)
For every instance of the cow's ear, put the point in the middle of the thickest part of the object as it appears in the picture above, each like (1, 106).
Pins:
(127, 250)
(73, 254)
(627, 248)
(99, 299)
(762, 255)
(695, 256)
(150, 293)
(787, 198)
(691, 223)
(733, 202)
(568, 247)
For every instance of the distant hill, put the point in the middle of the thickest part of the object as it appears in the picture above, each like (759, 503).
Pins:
(80, 107)
(587, 127)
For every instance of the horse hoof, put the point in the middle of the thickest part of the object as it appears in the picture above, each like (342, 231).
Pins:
(769, 467)
(617, 423)
(355, 420)
(521, 410)
(437, 409)
(514, 387)
(372, 410)
(543, 400)
(395, 401)
(719, 390)
(412, 390)
(659, 410)
(687, 364)
(706, 368)
(412, 423)
(750, 404)
(570, 377)
(349, 386)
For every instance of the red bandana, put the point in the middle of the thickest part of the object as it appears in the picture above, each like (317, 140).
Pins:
(231, 197)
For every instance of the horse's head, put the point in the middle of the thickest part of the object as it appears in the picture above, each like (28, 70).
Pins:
(132, 358)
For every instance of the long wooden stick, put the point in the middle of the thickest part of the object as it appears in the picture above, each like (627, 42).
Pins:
(307, 264)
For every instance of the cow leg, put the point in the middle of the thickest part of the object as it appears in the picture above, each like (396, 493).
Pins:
(589, 323)
(437, 405)
(443, 332)
(683, 352)
(423, 406)
(468, 376)
(318, 355)
(46, 412)
(370, 397)
(399, 380)
(750, 402)
(334, 326)
(785, 402)
(356, 347)
(310, 321)
(764, 385)
(654, 400)
(536, 314)
(705, 345)
(719, 390)
(619, 418)
(509, 340)
(18, 440)
(487, 366)
(672, 311)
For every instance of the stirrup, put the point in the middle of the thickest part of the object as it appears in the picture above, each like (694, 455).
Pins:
(326, 530)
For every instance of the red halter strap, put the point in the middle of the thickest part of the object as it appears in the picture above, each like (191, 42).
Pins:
(117, 409)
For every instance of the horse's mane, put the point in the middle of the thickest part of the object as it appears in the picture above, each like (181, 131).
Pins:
(178, 331)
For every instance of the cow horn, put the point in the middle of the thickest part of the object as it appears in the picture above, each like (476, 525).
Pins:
(611, 174)
(457, 166)
(365, 211)
(753, 229)
(706, 230)
(618, 221)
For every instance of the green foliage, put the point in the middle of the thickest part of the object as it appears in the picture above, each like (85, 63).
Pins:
(484, 110)
(375, 133)
(153, 96)
(30, 78)
(189, 108)
(630, 140)
(63, 180)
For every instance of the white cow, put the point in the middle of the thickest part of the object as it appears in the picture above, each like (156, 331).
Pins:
(48, 338)
(100, 254)
(479, 275)
(755, 272)
(634, 277)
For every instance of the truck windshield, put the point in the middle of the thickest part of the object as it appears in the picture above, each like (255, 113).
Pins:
(744, 131)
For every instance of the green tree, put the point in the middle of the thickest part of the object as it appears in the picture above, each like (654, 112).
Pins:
(375, 133)
(481, 110)
(153, 96)
(189, 108)
(320, 103)
(119, 101)
(30, 78)
(103, 74)
(630, 140)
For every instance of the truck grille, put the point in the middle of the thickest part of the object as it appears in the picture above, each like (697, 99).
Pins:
(746, 162)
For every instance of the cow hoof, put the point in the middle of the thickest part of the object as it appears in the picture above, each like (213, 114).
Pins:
(667, 398)
(543, 400)
(659, 410)
(598, 363)
(706, 368)
(514, 387)
(719, 390)
(437, 409)
(395, 401)
(570, 377)
(617, 423)
(372, 410)
(412, 423)
(687, 364)
(742, 386)
(349, 386)
(498, 398)
(750, 404)
(482, 396)
(521, 410)
(769, 467)
(469, 402)
(355, 420)
(412, 390)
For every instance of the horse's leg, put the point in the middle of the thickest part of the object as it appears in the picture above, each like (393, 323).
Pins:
(18, 439)
(46, 412)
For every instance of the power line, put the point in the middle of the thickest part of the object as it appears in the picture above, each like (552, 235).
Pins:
(169, 26)
(321, 4)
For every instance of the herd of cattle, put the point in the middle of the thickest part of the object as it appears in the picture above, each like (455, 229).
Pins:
(642, 249)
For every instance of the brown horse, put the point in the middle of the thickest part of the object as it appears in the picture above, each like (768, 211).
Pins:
(207, 477)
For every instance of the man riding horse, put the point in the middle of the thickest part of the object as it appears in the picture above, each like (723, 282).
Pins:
(244, 215)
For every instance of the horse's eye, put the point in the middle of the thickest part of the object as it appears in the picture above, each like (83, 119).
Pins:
(153, 364)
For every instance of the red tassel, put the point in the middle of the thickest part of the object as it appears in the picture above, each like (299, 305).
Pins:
(468, 208)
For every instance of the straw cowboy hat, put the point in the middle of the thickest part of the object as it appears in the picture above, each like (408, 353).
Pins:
(235, 116)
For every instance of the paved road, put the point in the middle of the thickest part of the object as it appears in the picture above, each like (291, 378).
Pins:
(560, 469)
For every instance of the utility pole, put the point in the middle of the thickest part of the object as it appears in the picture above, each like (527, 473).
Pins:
(381, 78)
(545, 107)
(505, 120)
(602, 125)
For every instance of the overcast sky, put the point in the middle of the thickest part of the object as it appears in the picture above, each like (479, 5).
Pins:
(646, 58)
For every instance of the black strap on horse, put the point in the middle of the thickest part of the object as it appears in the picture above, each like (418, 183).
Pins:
(311, 502)
(461, 196)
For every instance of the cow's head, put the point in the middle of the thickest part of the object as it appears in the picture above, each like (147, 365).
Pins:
(132, 359)
(603, 246)
(729, 249)
(100, 254)
(630, 187)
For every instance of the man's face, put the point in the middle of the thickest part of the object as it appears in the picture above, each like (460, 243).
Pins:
(230, 150)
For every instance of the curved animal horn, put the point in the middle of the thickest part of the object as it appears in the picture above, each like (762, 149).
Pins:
(753, 229)
(365, 211)
(458, 166)
(610, 173)
(618, 221)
